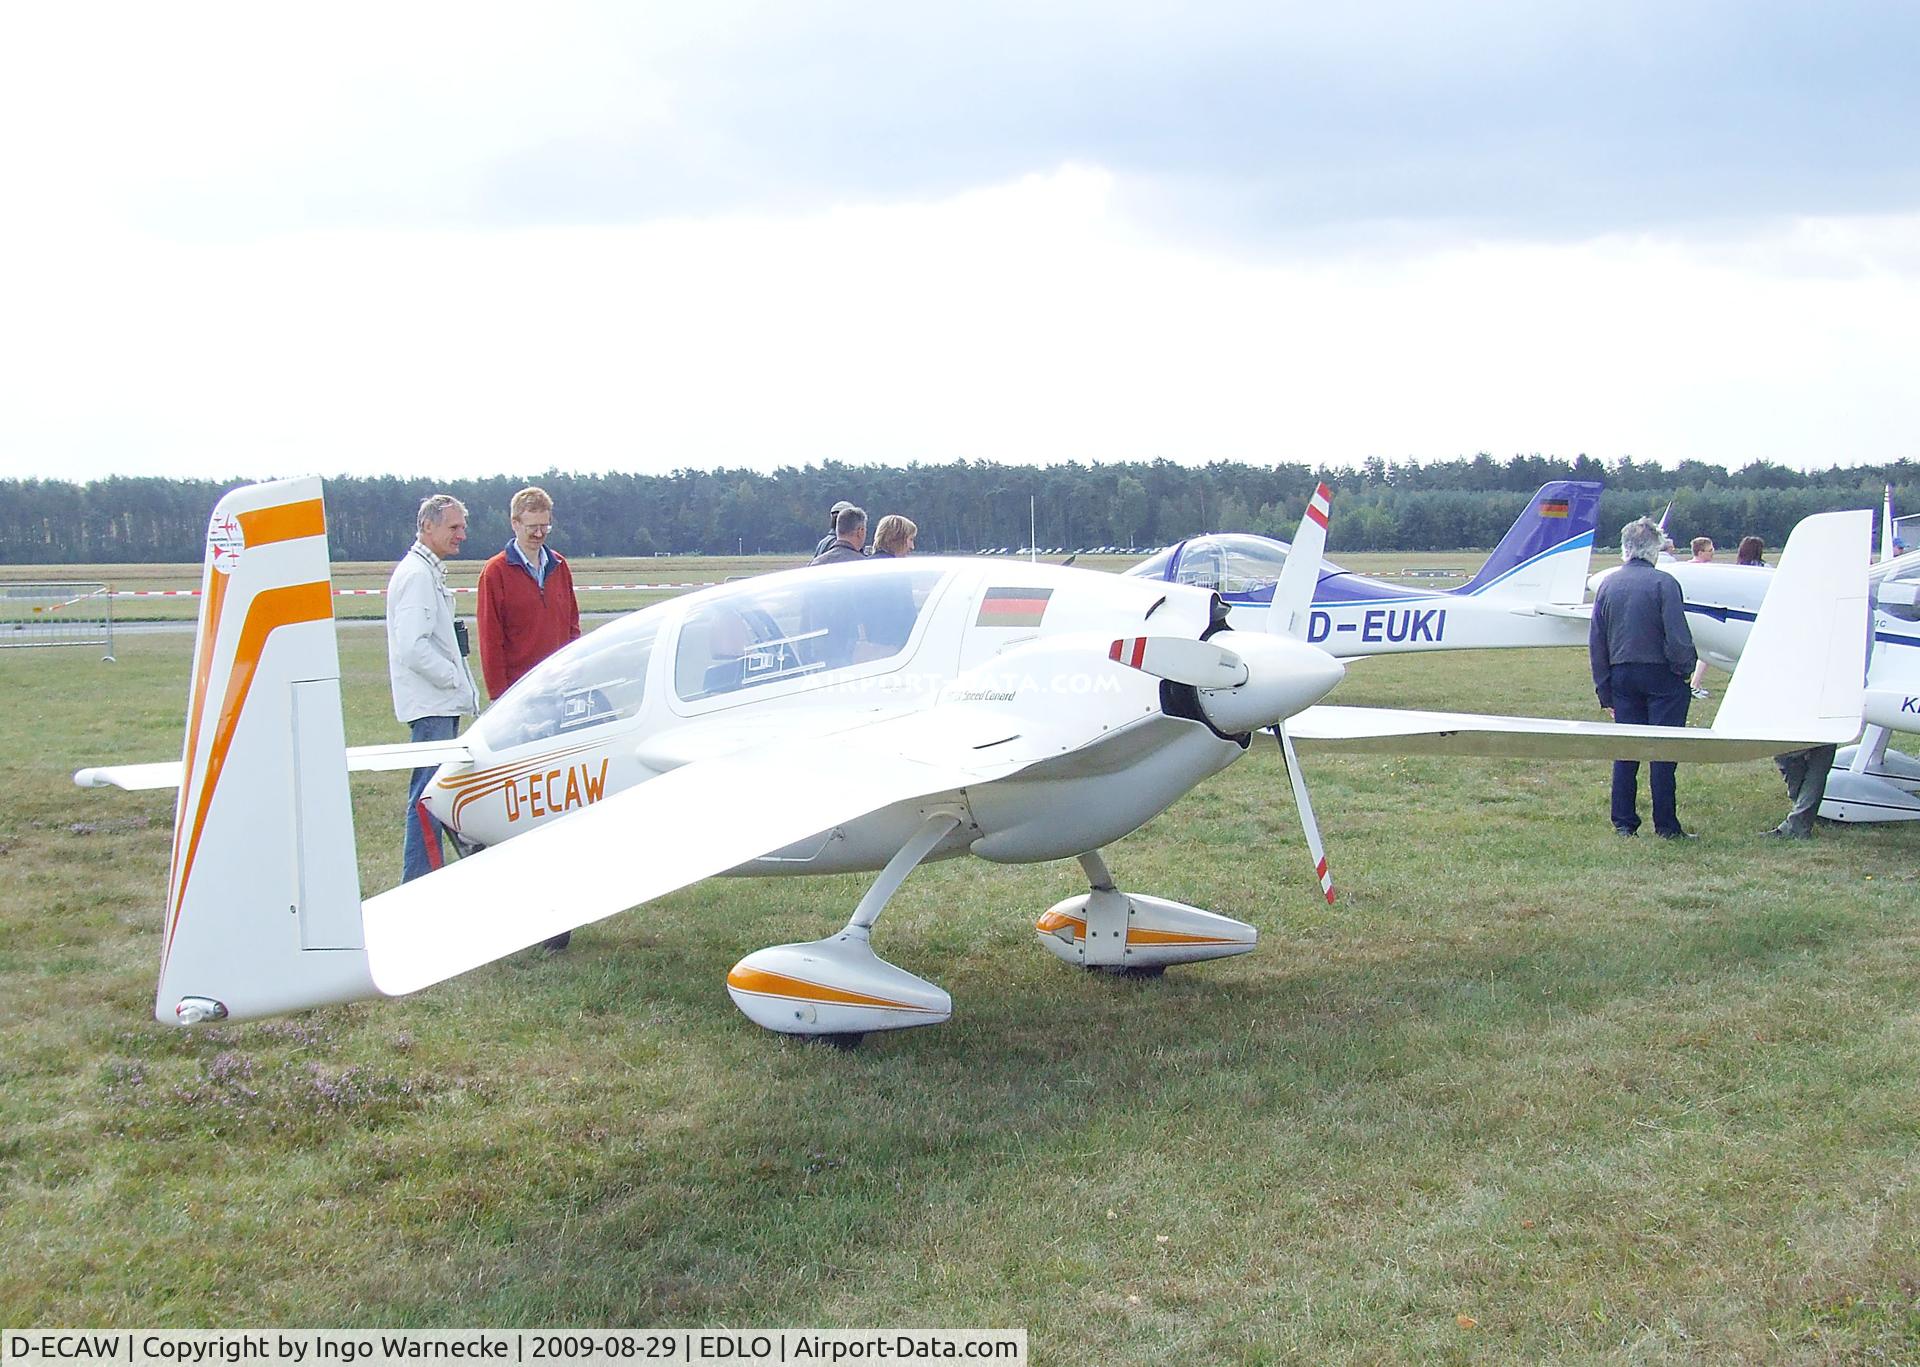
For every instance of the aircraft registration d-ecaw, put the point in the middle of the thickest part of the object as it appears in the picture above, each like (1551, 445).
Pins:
(822, 720)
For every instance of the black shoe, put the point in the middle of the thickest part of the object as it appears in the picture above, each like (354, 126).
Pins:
(1785, 832)
(558, 942)
(1676, 835)
(1626, 832)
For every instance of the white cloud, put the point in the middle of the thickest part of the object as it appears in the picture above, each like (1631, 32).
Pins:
(1031, 321)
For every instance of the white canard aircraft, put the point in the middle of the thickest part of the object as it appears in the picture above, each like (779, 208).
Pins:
(859, 717)
(1529, 592)
(1869, 781)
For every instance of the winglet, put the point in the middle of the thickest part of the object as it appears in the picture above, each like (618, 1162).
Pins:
(263, 898)
(1803, 668)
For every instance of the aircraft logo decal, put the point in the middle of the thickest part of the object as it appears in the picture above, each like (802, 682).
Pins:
(225, 541)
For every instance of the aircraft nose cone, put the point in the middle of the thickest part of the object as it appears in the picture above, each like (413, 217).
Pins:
(1284, 676)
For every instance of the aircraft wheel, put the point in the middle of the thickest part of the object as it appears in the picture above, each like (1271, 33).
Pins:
(1145, 972)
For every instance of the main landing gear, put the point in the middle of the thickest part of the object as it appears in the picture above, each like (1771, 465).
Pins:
(837, 990)
(1132, 935)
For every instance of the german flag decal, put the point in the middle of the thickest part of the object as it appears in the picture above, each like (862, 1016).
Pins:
(1553, 507)
(1013, 608)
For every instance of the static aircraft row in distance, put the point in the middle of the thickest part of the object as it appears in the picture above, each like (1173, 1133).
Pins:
(1869, 782)
(824, 720)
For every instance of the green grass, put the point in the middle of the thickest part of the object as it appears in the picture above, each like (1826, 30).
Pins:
(1528, 1092)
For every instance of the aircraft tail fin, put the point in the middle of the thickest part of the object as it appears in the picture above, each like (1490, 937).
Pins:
(263, 896)
(1544, 555)
(1804, 665)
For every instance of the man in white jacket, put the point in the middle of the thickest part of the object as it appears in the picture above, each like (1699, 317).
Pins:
(432, 686)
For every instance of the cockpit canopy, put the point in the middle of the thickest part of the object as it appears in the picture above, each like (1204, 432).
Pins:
(738, 637)
(1233, 564)
(601, 677)
(807, 622)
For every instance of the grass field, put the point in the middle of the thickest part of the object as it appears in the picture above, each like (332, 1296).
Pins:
(1527, 1093)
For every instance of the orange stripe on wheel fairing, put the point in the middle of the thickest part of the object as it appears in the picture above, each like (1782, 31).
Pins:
(269, 611)
(283, 522)
(762, 983)
(1053, 922)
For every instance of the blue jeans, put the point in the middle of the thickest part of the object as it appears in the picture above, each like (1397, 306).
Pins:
(1649, 694)
(420, 847)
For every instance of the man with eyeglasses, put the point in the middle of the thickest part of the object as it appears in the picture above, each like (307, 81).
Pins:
(527, 607)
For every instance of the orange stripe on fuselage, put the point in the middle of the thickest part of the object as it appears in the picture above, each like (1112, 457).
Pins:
(270, 610)
(763, 983)
(283, 522)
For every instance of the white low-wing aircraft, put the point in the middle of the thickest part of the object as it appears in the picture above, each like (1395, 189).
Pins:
(1529, 592)
(1869, 782)
(861, 717)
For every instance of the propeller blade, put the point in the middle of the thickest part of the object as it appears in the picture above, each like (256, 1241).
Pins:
(1200, 663)
(1309, 826)
(1293, 594)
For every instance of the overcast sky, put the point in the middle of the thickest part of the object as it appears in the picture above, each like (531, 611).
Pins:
(433, 239)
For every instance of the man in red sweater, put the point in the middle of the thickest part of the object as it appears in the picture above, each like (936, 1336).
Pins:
(527, 608)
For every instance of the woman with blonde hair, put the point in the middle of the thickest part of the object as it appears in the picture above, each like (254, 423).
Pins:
(894, 535)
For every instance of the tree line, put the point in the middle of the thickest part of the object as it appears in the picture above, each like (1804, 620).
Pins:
(963, 507)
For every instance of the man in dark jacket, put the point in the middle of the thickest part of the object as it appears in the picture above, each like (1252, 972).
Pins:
(833, 527)
(1642, 654)
(850, 534)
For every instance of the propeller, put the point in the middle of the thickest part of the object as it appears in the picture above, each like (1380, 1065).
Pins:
(1293, 594)
(1292, 608)
(1309, 827)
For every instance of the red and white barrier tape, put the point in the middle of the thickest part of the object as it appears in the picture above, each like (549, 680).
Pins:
(381, 593)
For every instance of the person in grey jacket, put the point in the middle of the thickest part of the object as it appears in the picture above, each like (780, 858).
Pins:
(432, 686)
(850, 537)
(1642, 653)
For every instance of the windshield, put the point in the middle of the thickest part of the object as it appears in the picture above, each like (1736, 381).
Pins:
(1154, 566)
(600, 678)
(805, 622)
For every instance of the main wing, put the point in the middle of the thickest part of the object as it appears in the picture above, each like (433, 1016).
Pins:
(692, 823)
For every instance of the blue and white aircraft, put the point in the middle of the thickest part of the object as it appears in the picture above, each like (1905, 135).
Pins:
(1529, 592)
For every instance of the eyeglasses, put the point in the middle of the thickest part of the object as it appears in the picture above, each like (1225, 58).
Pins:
(533, 526)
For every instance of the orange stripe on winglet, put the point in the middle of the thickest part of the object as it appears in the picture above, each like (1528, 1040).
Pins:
(268, 612)
(283, 522)
(202, 669)
(763, 983)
